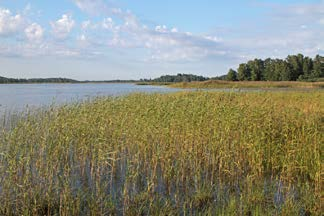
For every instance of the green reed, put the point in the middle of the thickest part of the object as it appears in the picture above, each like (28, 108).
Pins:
(200, 153)
(219, 84)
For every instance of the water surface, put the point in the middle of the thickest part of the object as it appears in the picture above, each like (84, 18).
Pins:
(17, 97)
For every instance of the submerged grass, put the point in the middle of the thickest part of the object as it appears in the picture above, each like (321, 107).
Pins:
(199, 153)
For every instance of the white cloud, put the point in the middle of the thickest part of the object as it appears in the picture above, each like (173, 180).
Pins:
(297, 29)
(62, 27)
(82, 38)
(10, 24)
(290, 29)
(34, 32)
(90, 6)
(160, 42)
(213, 38)
(131, 22)
(161, 29)
(96, 7)
(174, 30)
(30, 49)
(85, 24)
(321, 21)
(107, 23)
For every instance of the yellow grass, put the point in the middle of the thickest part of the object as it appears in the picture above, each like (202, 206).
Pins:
(247, 84)
(195, 153)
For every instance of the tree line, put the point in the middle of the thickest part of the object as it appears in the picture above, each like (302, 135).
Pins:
(293, 68)
(163, 79)
(176, 78)
(5, 80)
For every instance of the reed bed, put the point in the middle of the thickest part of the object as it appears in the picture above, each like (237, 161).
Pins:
(210, 84)
(198, 153)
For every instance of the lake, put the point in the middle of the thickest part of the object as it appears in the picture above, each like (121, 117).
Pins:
(16, 97)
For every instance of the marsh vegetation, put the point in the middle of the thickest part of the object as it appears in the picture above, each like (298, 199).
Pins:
(221, 84)
(167, 154)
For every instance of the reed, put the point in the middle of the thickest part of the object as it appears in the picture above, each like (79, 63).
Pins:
(210, 84)
(207, 153)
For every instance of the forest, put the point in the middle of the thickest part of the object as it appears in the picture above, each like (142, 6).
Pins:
(176, 78)
(293, 68)
(4, 80)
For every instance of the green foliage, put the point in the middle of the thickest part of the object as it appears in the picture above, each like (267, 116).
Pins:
(318, 67)
(198, 153)
(222, 77)
(244, 72)
(177, 78)
(296, 66)
(257, 68)
(293, 68)
(4, 80)
(283, 71)
(232, 75)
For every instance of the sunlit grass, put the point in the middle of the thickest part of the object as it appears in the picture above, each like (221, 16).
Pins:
(248, 84)
(174, 154)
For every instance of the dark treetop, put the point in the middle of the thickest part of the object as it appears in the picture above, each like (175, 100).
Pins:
(293, 68)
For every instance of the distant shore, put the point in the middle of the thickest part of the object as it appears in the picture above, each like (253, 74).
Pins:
(194, 82)
(210, 84)
(79, 82)
(216, 84)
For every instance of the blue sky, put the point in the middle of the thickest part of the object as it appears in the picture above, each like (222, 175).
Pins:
(127, 39)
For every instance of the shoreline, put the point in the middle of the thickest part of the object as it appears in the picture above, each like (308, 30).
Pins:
(217, 84)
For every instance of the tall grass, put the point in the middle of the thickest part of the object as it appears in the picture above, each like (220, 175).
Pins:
(248, 84)
(194, 153)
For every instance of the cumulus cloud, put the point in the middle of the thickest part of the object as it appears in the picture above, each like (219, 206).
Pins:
(31, 49)
(289, 29)
(295, 28)
(213, 38)
(161, 29)
(174, 30)
(62, 27)
(85, 24)
(90, 6)
(34, 32)
(160, 42)
(107, 23)
(96, 7)
(10, 24)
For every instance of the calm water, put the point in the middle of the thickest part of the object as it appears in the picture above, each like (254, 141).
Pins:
(16, 97)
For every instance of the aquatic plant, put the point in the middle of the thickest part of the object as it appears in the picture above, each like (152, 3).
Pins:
(219, 84)
(207, 153)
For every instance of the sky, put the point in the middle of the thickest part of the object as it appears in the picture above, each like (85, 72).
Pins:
(127, 39)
